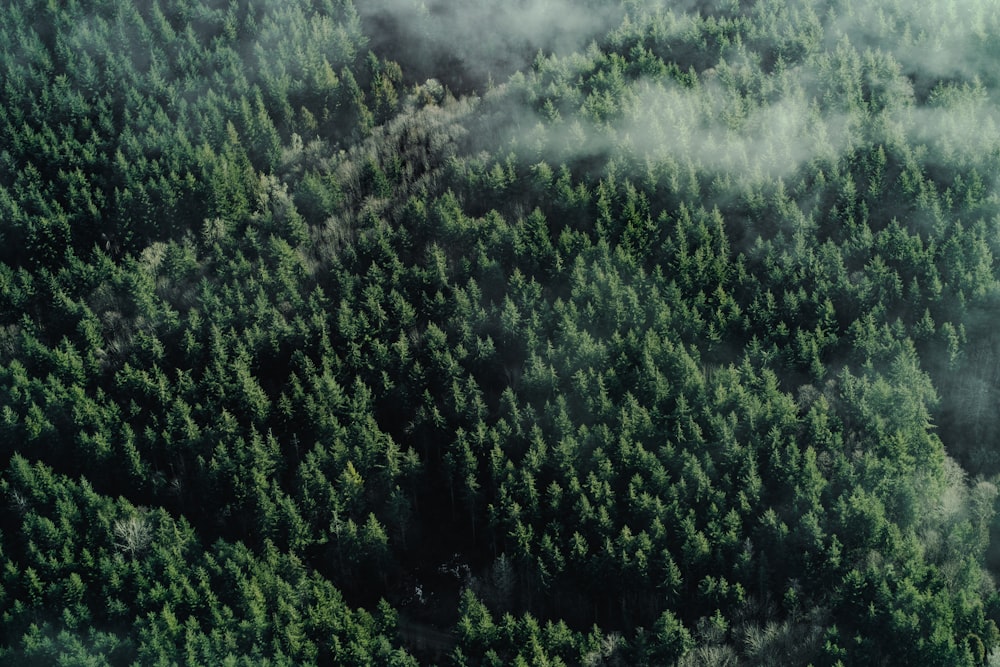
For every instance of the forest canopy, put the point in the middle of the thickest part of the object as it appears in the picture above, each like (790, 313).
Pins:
(545, 332)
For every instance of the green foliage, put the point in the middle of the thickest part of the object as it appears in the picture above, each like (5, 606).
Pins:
(674, 348)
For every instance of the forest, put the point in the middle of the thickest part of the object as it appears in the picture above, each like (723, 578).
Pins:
(464, 333)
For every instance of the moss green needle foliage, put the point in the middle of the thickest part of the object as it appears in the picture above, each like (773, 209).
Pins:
(545, 332)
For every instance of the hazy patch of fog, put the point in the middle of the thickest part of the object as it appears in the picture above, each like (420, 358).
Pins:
(719, 132)
(940, 38)
(707, 127)
(960, 125)
(469, 43)
(723, 125)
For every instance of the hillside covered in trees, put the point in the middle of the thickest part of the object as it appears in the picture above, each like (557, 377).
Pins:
(543, 332)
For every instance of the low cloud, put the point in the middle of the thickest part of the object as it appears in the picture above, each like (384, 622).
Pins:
(469, 43)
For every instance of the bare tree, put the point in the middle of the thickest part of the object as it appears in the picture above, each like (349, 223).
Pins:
(133, 534)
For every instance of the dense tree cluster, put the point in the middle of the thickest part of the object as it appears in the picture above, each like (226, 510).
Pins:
(665, 338)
